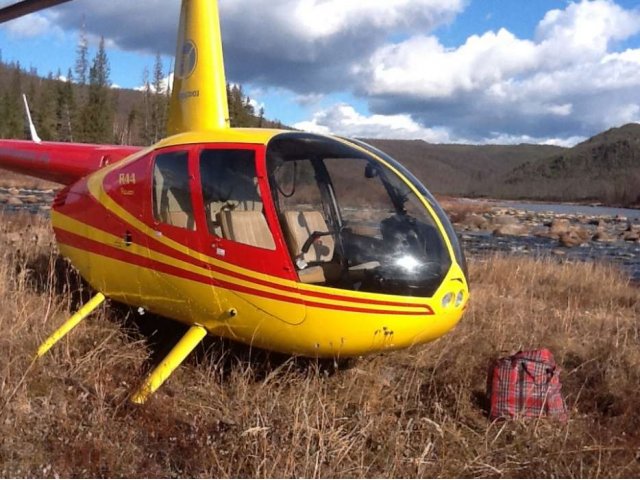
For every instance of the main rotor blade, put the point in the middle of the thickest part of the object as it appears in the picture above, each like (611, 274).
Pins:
(25, 8)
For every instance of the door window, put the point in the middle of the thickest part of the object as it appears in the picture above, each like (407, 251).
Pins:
(232, 201)
(171, 193)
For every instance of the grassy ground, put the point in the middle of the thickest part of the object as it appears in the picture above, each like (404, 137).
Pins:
(228, 412)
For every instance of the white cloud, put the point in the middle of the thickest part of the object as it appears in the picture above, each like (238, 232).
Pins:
(32, 26)
(504, 139)
(324, 18)
(565, 82)
(585, 29)
(165, 84)
(423, 66)
(344, 120)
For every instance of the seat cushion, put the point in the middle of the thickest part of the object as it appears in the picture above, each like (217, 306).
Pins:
(299, 227)
(248, 227)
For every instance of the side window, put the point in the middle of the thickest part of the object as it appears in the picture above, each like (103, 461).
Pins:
(171, 193)
(232, 201)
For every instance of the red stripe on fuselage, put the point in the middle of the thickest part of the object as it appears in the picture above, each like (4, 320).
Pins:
(97, 248)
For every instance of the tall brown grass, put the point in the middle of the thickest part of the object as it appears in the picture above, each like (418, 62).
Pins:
(229, 412)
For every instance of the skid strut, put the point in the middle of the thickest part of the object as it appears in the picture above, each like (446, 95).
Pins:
(176, 356)
(70, 324)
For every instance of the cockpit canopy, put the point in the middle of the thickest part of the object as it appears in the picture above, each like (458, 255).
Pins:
(352, 221)
(350, 217)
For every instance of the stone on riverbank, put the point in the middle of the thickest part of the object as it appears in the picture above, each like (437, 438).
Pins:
(473, 221)
(512, 229)
(603, 236)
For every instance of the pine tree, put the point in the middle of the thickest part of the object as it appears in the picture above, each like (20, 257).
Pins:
(82, 57)
(65, 109)
(158, 102)
(98, 112)
(238, 114)
(145, 117)
(12, 103)
(155, 102)
(127, 136)
(44, 106)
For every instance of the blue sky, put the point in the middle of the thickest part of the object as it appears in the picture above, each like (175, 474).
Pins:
(479, 71)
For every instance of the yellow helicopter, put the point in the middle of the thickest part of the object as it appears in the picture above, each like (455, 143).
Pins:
(299, 243)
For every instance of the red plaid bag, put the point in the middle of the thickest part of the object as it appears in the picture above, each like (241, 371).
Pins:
(525, 385)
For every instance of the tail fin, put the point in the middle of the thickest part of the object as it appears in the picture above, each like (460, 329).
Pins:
(32, 127)
(199, 95)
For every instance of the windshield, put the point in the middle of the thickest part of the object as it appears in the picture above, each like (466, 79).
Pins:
(350, 221)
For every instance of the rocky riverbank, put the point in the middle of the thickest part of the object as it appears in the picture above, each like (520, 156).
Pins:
(568, 230)
(32, 200)
(485, 227)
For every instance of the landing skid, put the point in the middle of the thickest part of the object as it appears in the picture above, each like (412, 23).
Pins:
(158, 375)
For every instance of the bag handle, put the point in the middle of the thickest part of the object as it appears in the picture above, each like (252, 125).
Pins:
(550, 371)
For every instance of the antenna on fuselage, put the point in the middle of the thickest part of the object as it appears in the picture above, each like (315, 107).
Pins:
(32, 127)
(199, 92)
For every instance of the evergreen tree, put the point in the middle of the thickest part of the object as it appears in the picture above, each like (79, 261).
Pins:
(241, 112)
(127, 136)
(159, 104)
(65, 109)
(82, 57)
(155, 103)
(145, 117)
(44, 108)
(12, 103)
(98, 112)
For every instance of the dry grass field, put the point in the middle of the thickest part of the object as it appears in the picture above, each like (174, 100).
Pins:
(231, 412)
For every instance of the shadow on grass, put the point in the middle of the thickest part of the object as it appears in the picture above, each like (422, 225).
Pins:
(160, 334)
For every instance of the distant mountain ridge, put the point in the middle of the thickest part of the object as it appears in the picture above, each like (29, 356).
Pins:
(468, 170)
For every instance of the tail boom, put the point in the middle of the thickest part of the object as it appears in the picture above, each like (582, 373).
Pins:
(63, 163)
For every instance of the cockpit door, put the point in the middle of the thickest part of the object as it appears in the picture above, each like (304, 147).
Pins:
(240, 225)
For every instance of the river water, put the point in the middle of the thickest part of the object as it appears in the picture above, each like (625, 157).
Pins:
(574, 209)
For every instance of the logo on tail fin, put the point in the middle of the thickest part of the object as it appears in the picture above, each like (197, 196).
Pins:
(188, 60)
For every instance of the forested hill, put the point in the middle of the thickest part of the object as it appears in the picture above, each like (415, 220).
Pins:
(467, 170)
(605, 168)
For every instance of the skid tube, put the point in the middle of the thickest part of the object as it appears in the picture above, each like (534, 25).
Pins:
(165, 368)
(70, 324)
